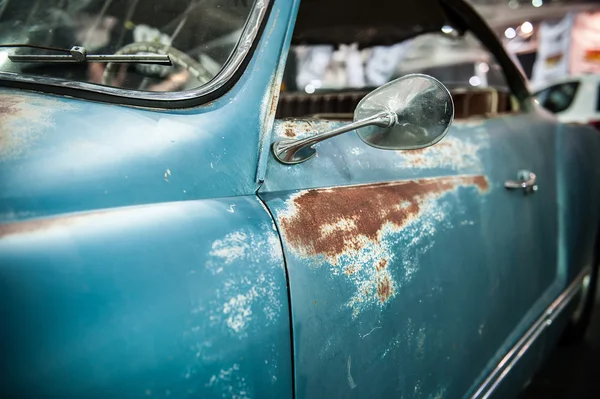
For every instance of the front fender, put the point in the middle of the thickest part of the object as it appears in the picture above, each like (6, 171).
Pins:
(180, 299)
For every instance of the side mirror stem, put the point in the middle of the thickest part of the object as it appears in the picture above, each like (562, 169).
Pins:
(291, 152)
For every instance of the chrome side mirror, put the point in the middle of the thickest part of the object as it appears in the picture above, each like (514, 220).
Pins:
(412, 112)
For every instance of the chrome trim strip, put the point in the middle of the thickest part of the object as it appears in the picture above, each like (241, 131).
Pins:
(518, 350)
(249, 34)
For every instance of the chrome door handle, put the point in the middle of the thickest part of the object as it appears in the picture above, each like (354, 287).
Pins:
(526, 182)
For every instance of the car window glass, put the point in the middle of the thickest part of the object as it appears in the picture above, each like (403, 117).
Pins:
(199, 36)
(331, 79)
(558, 98)
(455, 61)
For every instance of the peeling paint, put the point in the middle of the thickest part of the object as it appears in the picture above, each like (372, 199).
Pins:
(452, 153)
(300, 128)
(353, 229)
(231, 248)
(231, 382)
(263, 206)
(22, 120)
(240, 297)
(241, 304)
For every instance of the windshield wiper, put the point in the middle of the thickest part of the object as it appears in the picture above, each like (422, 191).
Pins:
(78, 54)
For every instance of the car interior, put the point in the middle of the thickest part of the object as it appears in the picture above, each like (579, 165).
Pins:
(473, 77)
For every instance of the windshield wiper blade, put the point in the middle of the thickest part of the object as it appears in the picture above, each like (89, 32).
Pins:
(78, 54)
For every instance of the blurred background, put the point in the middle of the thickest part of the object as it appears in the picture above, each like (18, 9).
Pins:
(550, 38)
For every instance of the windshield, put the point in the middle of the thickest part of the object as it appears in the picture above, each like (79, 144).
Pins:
(198, 35)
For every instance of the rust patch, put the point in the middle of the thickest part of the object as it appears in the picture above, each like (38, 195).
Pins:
(114, 217)
(382, 264)
(110, 218)
(331, 221)
(8, 107)
(22, 118)
(289, 132)
(350, 227)
(385, 288)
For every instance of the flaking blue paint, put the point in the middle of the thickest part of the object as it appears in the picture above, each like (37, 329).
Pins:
(135, 257)
(136, 260)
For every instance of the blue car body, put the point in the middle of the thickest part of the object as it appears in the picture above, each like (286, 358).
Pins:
(153, 252)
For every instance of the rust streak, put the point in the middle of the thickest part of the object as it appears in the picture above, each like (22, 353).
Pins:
(22, 119)
(49, 223)
(9, 107)
(32, 226)
(35, 225)
(330, 222)
(274, 100)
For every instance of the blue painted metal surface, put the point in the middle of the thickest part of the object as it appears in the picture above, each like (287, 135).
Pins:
(467, 265)
(75, 155)
(182, 299)
(137, 261)
(578, 176)
(135, 258)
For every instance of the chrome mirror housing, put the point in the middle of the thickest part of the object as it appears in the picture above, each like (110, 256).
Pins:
(412, 112)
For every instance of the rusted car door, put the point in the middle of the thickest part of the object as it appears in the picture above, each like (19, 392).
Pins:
(413, 272)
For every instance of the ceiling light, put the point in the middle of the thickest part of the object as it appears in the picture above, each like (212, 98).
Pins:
(475, 81)
(447, 29)
(483, 67)
(537, 3)
(526, 27)
(510, 33)
(310, 89)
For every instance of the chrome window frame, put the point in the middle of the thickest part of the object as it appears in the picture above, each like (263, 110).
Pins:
(175, 99)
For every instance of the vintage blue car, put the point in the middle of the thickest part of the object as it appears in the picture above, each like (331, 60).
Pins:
(185, 212)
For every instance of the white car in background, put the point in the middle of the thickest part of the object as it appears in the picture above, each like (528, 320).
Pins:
(575, 99)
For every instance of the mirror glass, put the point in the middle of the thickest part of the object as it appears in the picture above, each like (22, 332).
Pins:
(423, 107)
